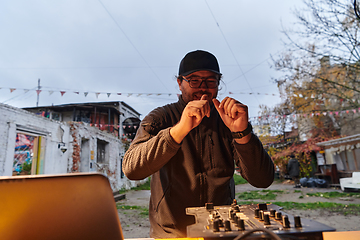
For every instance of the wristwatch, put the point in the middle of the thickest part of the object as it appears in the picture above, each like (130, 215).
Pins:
(242, 134)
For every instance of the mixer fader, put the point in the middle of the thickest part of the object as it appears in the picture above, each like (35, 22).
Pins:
(230, 221)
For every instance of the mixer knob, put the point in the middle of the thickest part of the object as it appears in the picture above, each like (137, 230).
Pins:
(261, 216)
(216, 227)
(297, 221)
(230, 213)
(221, 223)
(286, 223)
(227, 226)
(241, 224)
(266, 219)
(262, 206)
(257, 213)
(237, 208)
(235, 218)
(272, 213)
(278, 216)
(233, 215)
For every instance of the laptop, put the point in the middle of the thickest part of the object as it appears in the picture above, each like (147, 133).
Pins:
(67, 206)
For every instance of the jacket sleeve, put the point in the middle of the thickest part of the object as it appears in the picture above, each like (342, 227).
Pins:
(150, 151)
(255, 164)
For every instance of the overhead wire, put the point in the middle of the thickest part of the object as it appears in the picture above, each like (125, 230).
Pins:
(227, 43)
(29, 93)
(133, 45)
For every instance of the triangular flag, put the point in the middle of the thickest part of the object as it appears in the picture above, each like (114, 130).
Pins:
(118, 93)
(86, 93)
(108, 94)
(62, 93)
(51, 92)
(12, 89)
(76, 92)
(38, 92)
(97, 94)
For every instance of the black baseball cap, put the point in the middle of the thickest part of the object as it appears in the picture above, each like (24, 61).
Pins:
(197, 61)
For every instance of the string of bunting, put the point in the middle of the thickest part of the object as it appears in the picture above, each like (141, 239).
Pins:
(112, 125)
(306, 115)
(108, 94)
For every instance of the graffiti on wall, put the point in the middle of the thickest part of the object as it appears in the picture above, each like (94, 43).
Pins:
(24, 153)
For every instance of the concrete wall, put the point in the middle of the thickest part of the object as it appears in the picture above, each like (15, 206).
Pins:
(84, 151)
(13, 120)
(81, 141)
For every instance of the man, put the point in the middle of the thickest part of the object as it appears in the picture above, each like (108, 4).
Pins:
(189, 148)
(293, 169)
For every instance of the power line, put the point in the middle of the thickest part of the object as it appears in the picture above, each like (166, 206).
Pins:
(117, 24)
(22, 95)
(227, 43)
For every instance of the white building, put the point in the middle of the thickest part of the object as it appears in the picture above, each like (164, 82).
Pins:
(33, 144)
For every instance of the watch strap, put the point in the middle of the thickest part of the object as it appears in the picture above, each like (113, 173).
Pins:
(242, 134)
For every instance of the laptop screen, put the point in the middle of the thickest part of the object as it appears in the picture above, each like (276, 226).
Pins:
(69, 206)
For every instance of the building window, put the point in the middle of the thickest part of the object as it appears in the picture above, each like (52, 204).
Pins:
(83, 116)
(56, 116)
(102, 147)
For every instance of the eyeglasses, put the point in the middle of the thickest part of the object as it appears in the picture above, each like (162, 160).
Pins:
(196, 82)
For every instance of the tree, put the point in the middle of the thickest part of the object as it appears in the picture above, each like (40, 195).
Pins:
(321, 63)
(277, 117)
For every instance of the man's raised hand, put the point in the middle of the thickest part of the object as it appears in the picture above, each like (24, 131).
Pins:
(233, 113)
(191, 117)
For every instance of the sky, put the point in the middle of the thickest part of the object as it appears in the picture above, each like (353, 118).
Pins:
(107, 50)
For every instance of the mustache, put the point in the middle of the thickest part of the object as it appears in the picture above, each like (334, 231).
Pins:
(202, 93)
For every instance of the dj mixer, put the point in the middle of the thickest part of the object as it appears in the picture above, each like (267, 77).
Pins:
(231, 221)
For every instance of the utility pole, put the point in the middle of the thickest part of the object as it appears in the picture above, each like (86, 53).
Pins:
(38, 93)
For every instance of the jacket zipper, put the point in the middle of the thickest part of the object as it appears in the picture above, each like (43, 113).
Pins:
(201, 178)
(211, 150)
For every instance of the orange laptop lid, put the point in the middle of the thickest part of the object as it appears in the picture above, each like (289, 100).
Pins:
(68, 206)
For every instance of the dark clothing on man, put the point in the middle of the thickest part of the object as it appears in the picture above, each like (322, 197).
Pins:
(195, 172)
(293, 169)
